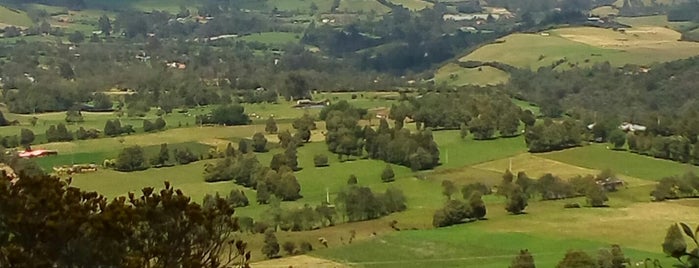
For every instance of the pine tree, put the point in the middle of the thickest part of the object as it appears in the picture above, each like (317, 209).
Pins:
(271, 246)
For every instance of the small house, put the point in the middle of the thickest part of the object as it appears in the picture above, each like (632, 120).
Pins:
(37, 153)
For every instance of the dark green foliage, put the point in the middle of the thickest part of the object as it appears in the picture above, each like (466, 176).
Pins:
(448, 188)
(185, 156)
(454, 212)
(352, 180)
(528, 118)
(271, 126)
(285, 139)
(523, 260)
(551, 136)
(358, 203)
(674, 244)
(289, 247)
(291, 158)
(3, 120)
(320, 160)
(517, 201)
(26, 137)
(74, 116)
(131, 159)
(244, 146)
(82, 134)
(477, 205)
(613, 258)
(259, 143)
(305, 247)
(463, 130)
(617, 138)
(271, 246)
(44, 226)
(227, 115)
(387, 174)
(59, 133)
(236, 198)
(577, 259)
(303, 127)
(469, 189)
(148, 126)
(342, 106)
(162, 157)
(676, 187)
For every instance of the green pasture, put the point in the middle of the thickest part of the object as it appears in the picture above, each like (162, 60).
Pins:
(412, 4)
(597, 156)
(462, 246)
(15, 17)
(456, 152)
(455, 75)
(300, 5)
(356, 6)
(657, 20)
(536, 50)
(273, 38)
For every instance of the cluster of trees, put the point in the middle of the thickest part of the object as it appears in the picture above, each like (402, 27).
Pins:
(298, 219)
(613, 257)
(227, 115)
(456, 211)
(550, 187)
(359, 203)
(242, 167)
(43, 225)
(58, 133)
(550, 135)
(398, 146)
(483, 113)
(113, 128)
(676, 187)
(236, 199)
(676, 148)
(134, 158)
(158, 125)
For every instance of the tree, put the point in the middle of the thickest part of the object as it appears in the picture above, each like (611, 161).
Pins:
(244, 146)
(159, 123)
(448, 188)
(271, 126)
(577, 259)
(74, 116)
(185, 156)
(296, 87)
(148, 126)
(387, 174)
(259, 143)
(290, 154)
(674, 245)
(76, 37)
(528, 118)
(617, 138)
(3, 120)
(271, 246)
(523, 260)
(227, 115)
(44, 225)
(102, 101)
(105, 25)
(352, 180)
(162, 157)
(595, 195)
(613, 258)
(131, 159)
(289, 247)
(463, 131)
(26, 137)
(517, 201)
(477, 205)
(320, 160)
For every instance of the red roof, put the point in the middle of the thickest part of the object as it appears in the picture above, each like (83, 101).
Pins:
(36, 153)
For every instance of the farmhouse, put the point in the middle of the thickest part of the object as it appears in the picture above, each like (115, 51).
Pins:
(626, 126)
(305, 103)
(36, 153)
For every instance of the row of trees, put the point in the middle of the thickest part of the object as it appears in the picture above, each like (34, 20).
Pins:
(134, 158)
(612, 257)
(550, 135)
(550, 187)
(676, 187)
(456, 211)
(359, 203)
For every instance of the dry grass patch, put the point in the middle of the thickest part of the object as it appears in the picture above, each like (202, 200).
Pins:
(299, 261)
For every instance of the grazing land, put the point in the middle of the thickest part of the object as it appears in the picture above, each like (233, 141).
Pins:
(302, 5)
(599, 157)
(14, 17)
(354, 6)
(453, 74)
(412, 4)
(273, 38)
(584, 46)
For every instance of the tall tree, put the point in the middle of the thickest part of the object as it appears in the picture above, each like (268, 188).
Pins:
(105, 25)
(26, 137)
(271, 126)
(271, 245)
(259, 142)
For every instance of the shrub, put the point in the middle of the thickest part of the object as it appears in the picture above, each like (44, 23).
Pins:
(320, 160)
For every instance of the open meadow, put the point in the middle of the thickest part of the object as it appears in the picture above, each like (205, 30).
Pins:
(584, 46)
(356, 6)
(413, 4)
(10, 16)
(455, 75)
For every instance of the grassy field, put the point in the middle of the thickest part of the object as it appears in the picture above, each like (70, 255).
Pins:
(456, 152)
(412, 4)
(658, 21)
(301, 5)
(14, 17)
(453, 74)
(597, 156)
(586, 45)
(604, 11)
(355, 6)
(273, 38)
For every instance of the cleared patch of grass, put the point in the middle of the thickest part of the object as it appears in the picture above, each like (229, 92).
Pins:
(456, 152)
(301, 5)
(453, 74)
(597, 156)
(363, 6)
(14, 17)
(461, 246)
(273, 38)
(412, 4)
